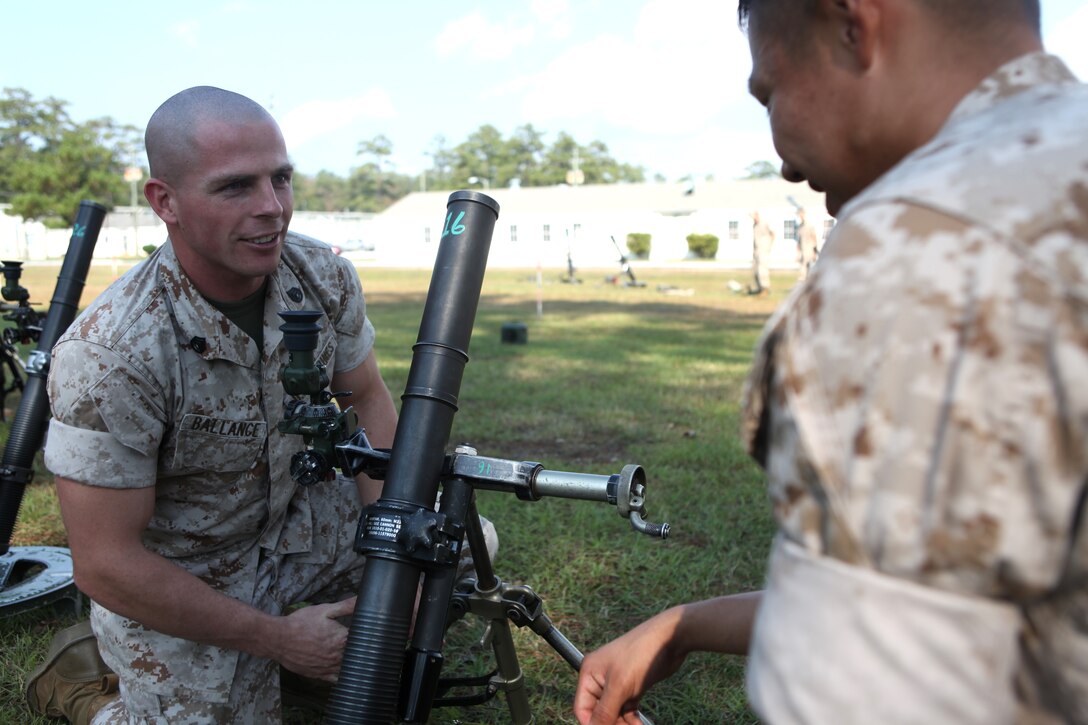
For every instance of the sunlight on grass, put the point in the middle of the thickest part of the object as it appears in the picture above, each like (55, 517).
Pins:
(609, 376)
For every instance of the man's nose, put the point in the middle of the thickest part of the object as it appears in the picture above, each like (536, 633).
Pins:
(789, 173)
(268, 202)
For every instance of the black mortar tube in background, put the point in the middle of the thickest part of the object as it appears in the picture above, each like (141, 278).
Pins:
(28, 427)
(369, 682)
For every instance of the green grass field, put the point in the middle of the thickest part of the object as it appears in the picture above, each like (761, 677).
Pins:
(610, 375)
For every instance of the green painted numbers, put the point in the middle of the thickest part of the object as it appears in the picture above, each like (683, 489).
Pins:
(457, 228)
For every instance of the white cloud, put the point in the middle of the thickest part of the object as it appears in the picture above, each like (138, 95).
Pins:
(186, 32)
(1067, 41)
(316, 118)
(684, 64)
(481, 38)
(549, 11)
(554, 15)
(728, 151)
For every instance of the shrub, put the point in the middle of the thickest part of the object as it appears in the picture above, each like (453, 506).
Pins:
(149, 248)
(703, 246)
(638, 244)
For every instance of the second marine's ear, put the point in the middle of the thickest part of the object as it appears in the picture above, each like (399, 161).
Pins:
(853, 27)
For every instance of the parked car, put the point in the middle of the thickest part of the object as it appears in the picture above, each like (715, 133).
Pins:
(356, 245)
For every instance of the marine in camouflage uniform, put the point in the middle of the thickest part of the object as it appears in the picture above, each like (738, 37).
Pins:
(807, 245)
(160, 388)
(762, 239)
(183, 524)
(921, 409)
(918, 404)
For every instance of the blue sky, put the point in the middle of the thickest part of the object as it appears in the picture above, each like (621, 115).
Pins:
(661, 82)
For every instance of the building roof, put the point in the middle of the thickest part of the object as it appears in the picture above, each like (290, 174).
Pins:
(670, 199)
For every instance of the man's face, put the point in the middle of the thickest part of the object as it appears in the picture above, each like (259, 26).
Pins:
(808, 107)
(232, 208)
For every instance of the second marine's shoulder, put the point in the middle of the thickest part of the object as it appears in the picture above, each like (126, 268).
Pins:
(1017, 168)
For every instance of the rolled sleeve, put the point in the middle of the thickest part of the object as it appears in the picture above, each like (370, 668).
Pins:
(96, 458)
(107, 426)
(354, 331)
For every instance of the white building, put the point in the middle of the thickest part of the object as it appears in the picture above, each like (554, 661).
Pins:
(536, 225)
(539, 225)
(124, 233)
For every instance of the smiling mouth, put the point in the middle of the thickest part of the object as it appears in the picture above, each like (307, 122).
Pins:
(268, 239)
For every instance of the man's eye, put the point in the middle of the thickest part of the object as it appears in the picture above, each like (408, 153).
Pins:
(282, 179)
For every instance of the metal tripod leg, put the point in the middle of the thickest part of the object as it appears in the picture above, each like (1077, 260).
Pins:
(484, 598)
(500, 603)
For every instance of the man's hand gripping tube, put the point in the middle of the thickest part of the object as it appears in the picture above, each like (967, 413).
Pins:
(369, 682)
(28, 427)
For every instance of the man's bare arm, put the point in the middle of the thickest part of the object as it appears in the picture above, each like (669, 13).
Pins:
(614, 678)
(112, 566)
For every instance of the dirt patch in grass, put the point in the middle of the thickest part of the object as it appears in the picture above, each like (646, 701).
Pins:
(593, 449)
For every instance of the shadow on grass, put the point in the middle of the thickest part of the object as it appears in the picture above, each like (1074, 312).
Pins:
(609, 376)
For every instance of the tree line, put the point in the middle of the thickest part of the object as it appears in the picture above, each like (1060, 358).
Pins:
(49, 162)
(485, 158)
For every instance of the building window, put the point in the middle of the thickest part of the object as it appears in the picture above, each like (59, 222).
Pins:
(577, 228)
(789, 229)
(547, 232)
(513, 233)
(734, 230)
(426, 235)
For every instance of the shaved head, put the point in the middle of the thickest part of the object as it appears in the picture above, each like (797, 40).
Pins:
(171, 133)
(960, 15)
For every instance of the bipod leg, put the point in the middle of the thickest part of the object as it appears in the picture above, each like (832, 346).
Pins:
(501, 603)
(421, 681)
(423, 663)
(489, 604)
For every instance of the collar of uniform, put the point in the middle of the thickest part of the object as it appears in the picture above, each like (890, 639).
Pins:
(1013, 78)
(285, 292)
(201, 327)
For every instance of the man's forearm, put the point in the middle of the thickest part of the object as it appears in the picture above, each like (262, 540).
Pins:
(113, 567)
(162, 596)
(723, 624)
(614, 678)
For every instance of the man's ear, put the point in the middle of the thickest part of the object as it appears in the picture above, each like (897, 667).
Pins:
(160, 196)
(856, 24)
